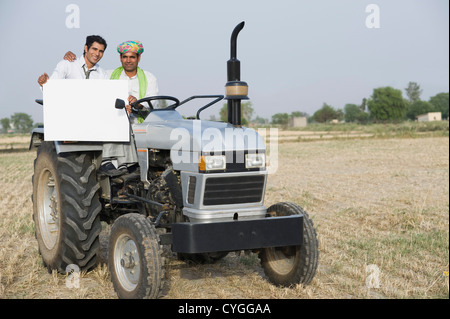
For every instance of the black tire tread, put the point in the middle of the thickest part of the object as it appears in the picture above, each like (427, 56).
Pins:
(79, 209)
(147, 240)
(309, 251)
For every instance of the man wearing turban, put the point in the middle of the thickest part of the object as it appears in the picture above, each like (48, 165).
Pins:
(140, 83)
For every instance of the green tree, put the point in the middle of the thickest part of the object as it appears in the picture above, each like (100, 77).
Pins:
(299, 114)
(351, 111)
(362, 118)
(22, 122)
(386, 104)
(339, 114)
(354, 113)
(441, 102)
(417, 108)
(326, 114)
(6, 124)
(246, 112)
(223, 113)
(363, 104)
(413, 92)
(280, 118)
(260, 120)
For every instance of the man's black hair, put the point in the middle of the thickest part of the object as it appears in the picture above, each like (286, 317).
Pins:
(94, 38)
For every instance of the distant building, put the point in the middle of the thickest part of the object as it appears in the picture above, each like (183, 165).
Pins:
(429, 117)
(298, 121)
(11, 128)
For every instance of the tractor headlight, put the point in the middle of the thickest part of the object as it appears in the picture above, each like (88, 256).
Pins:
(255, 160)
(212, 162)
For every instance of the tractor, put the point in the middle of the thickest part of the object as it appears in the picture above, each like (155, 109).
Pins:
(198, 191)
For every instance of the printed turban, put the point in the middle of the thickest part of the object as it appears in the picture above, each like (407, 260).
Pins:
(130, 46)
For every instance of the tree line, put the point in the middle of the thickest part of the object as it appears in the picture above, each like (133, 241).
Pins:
(18, 123)
(386, 104)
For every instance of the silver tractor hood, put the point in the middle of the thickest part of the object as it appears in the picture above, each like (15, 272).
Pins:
(188, 139)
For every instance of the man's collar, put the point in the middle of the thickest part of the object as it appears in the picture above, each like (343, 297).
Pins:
(82, 62)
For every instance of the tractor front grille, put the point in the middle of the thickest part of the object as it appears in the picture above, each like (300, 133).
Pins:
(233, 190)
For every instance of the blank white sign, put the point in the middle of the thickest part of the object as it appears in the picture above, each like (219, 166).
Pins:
(83, 110)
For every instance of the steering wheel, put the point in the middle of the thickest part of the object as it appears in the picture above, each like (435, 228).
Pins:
(158, 97)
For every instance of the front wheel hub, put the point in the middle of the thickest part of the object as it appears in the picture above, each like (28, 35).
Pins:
(126, 261)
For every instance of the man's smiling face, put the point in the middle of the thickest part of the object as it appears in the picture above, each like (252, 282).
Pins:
(94, 54)
(130, 61)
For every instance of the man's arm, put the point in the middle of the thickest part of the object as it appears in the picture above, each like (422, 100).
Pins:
(60, 72)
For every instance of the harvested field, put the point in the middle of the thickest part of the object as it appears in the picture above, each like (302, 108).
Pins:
(14, 142)
(381, 208)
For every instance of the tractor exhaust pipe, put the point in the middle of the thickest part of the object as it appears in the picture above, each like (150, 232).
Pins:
(236, 90)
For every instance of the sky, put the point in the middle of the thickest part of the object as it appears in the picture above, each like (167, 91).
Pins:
(295, 55)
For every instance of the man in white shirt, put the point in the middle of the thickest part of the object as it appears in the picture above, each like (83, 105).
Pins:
(140, 84)
(85, 67)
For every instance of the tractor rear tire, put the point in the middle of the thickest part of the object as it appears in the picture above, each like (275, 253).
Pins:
(291, 265)
(135, 258)
(66, 209)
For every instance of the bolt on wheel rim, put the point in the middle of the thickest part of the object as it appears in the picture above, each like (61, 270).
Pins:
(48, 209)
(126, 262)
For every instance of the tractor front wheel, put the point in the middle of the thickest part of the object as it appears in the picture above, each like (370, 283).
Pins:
(291, 265)
(135, 258)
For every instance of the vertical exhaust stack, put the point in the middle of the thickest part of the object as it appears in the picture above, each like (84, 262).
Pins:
(235, 89)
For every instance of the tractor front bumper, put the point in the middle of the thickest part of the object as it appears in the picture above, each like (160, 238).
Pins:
(237, 235)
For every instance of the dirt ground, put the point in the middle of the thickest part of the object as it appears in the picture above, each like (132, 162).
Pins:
(376, 203)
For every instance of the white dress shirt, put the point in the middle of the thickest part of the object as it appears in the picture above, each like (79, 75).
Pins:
(133, 84)
(75, 70)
